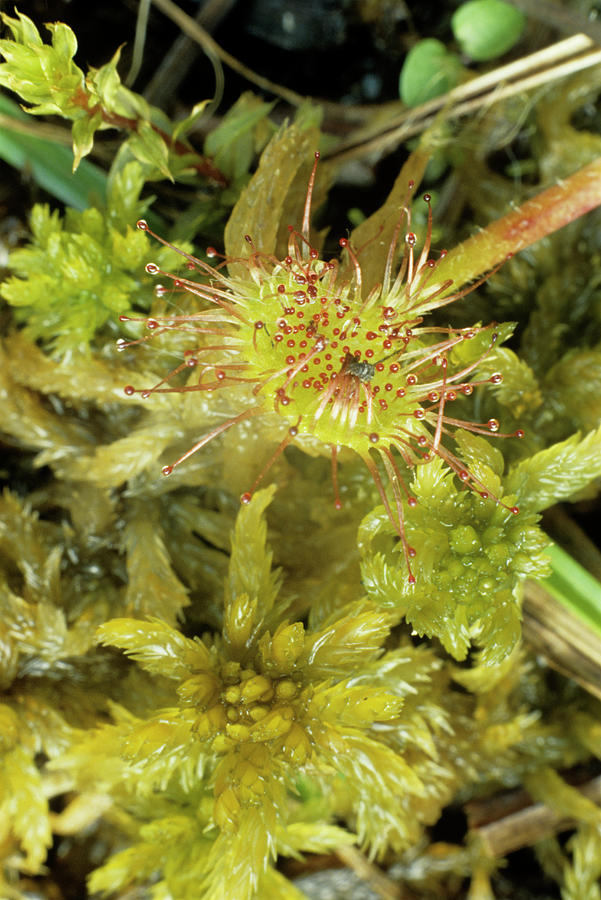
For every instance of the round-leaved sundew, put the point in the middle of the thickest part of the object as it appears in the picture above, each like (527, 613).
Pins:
(352, 365)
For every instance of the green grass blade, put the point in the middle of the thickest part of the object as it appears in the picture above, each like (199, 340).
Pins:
(574, 587)
(49, 162)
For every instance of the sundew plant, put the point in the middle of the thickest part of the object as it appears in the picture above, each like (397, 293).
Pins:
(273, 504)
(359, 372)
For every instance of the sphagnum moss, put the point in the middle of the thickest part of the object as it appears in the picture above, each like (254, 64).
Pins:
(266, 701)
(170, 798)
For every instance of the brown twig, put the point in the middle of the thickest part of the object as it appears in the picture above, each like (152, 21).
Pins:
(524, 826)
(194, 30)
(550, 64)
(378, 881)
(540, 68)
(563, 638)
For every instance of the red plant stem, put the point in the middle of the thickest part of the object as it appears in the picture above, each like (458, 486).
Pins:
(542, 215)
(204, 165)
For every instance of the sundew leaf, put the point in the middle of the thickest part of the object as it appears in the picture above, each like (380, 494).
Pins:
(558, 472)
(258, 211)
(376, 232)
(542, 215)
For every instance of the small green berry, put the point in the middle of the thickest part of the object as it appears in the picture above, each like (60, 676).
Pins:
(429, 70)
(486, 29)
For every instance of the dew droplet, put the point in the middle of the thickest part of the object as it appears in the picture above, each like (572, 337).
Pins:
(497, 378)
(493, 424)
(145, 395)
(374, 437)
(519, 433)
(129, 389)
(515, 510)
(167, 470)
(152, 268)
(246, 497)
(142, 224)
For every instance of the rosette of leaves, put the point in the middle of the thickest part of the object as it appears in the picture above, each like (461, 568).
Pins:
(80, 271)
(263, 701)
